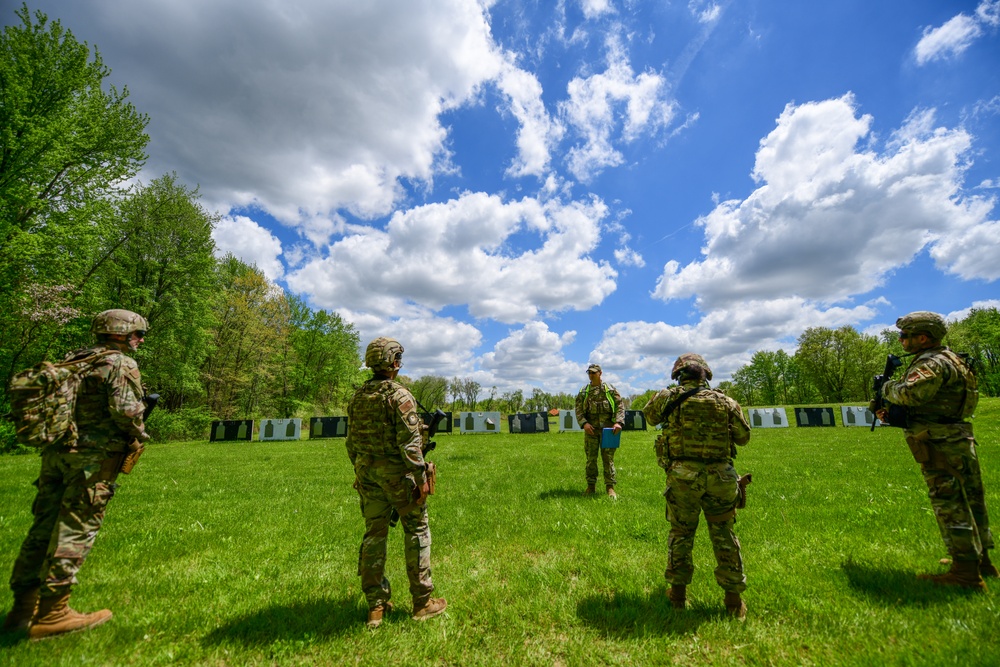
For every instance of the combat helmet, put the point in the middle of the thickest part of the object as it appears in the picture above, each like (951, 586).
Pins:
(382, 352)
(692, 361)
(923, 322)
(118, 321)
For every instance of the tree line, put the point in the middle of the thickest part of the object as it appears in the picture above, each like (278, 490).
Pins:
(466, 394)
(837, 365)
(79, 235)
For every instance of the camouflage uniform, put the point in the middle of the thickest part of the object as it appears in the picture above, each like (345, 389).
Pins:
(77, 482)
(602, 407)
(696, 449)
(383, 442)
(939, 392)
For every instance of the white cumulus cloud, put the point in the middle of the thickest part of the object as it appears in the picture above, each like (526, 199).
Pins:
(249, 242)
(831, 219)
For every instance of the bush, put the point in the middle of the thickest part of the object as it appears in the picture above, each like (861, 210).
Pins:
(183, 424)
(8, 440)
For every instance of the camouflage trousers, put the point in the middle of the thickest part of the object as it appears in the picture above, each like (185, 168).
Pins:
(73, 491)
(592, 447)
(692, 488)
(382, 486)
(955, 487)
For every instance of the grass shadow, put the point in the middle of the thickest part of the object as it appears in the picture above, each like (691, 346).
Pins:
(9, 639)
(893, 586)
(302, 621)
(623, 615)
(563, 493)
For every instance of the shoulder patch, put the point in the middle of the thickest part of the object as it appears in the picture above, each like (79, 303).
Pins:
(412, 419)
(406, 405)
(918, 374)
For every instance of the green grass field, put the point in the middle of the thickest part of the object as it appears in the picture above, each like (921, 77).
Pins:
(237, 554)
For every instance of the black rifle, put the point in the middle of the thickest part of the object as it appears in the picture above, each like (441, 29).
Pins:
(136, 448)
(892, 362)
(431, 471)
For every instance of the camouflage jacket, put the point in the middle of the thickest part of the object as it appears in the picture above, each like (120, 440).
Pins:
(706, 425)
(109, 404)
(382, 423)
(601, 406)
(938, 388)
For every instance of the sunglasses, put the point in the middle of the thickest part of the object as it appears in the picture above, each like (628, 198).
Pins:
(141, 333)
(904, 336)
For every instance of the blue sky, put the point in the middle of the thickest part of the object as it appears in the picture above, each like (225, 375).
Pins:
(516, 189)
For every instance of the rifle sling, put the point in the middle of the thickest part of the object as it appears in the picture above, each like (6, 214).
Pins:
(673, 405)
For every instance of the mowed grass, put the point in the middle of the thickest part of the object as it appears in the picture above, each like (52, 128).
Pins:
(246, 554)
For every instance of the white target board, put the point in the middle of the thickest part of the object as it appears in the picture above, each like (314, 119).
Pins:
(857, 416)
(280, 429)
(767, 418)
(479, 422)
(568, 422)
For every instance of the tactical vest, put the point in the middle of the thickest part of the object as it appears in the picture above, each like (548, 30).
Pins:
(958, 396)
(371, 419)
(699, 428)
(585, 395)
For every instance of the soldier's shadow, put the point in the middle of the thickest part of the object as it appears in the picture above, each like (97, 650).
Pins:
(561, 493)
(893, 586)
(622, 615)
(301, 621)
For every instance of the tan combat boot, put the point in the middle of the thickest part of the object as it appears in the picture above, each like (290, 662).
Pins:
(20, 615)
(589, 491)
(612, 494)
(986, 566)
(735, 606)
(375, 614)
(55, 617)
(677, 595)
(964, 573)
(429, 608)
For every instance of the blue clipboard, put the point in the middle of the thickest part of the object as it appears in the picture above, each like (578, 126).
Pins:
(610, 439)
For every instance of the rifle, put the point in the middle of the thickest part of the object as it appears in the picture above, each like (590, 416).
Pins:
(892, 362)
(426, 447)
(136, 448)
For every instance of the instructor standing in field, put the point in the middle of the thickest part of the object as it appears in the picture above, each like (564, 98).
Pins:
(701, 428)
(599, 406)
(384, 444)
(939, 393)
(77, 480)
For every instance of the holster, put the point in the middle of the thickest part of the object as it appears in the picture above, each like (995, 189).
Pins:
(927, 456)
(918, 446)
(741, 501)
(136, 449)
(659, 446)
(431, 475)
(741, 490)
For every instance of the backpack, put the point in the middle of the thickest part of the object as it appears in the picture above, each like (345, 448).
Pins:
(43, 400)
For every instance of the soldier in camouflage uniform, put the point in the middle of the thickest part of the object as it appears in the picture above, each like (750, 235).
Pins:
(939, 393)
(384, 444)
(77, 481)
(599, 406)
(701, 429)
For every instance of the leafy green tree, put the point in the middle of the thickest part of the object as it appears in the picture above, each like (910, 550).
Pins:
(430, 390)
(320, 362)
(513, 400)
(67, 146)
(640, 401)
(163, 266)
(978, 335)
(246, 356)
(742, 386)
(840, 363)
